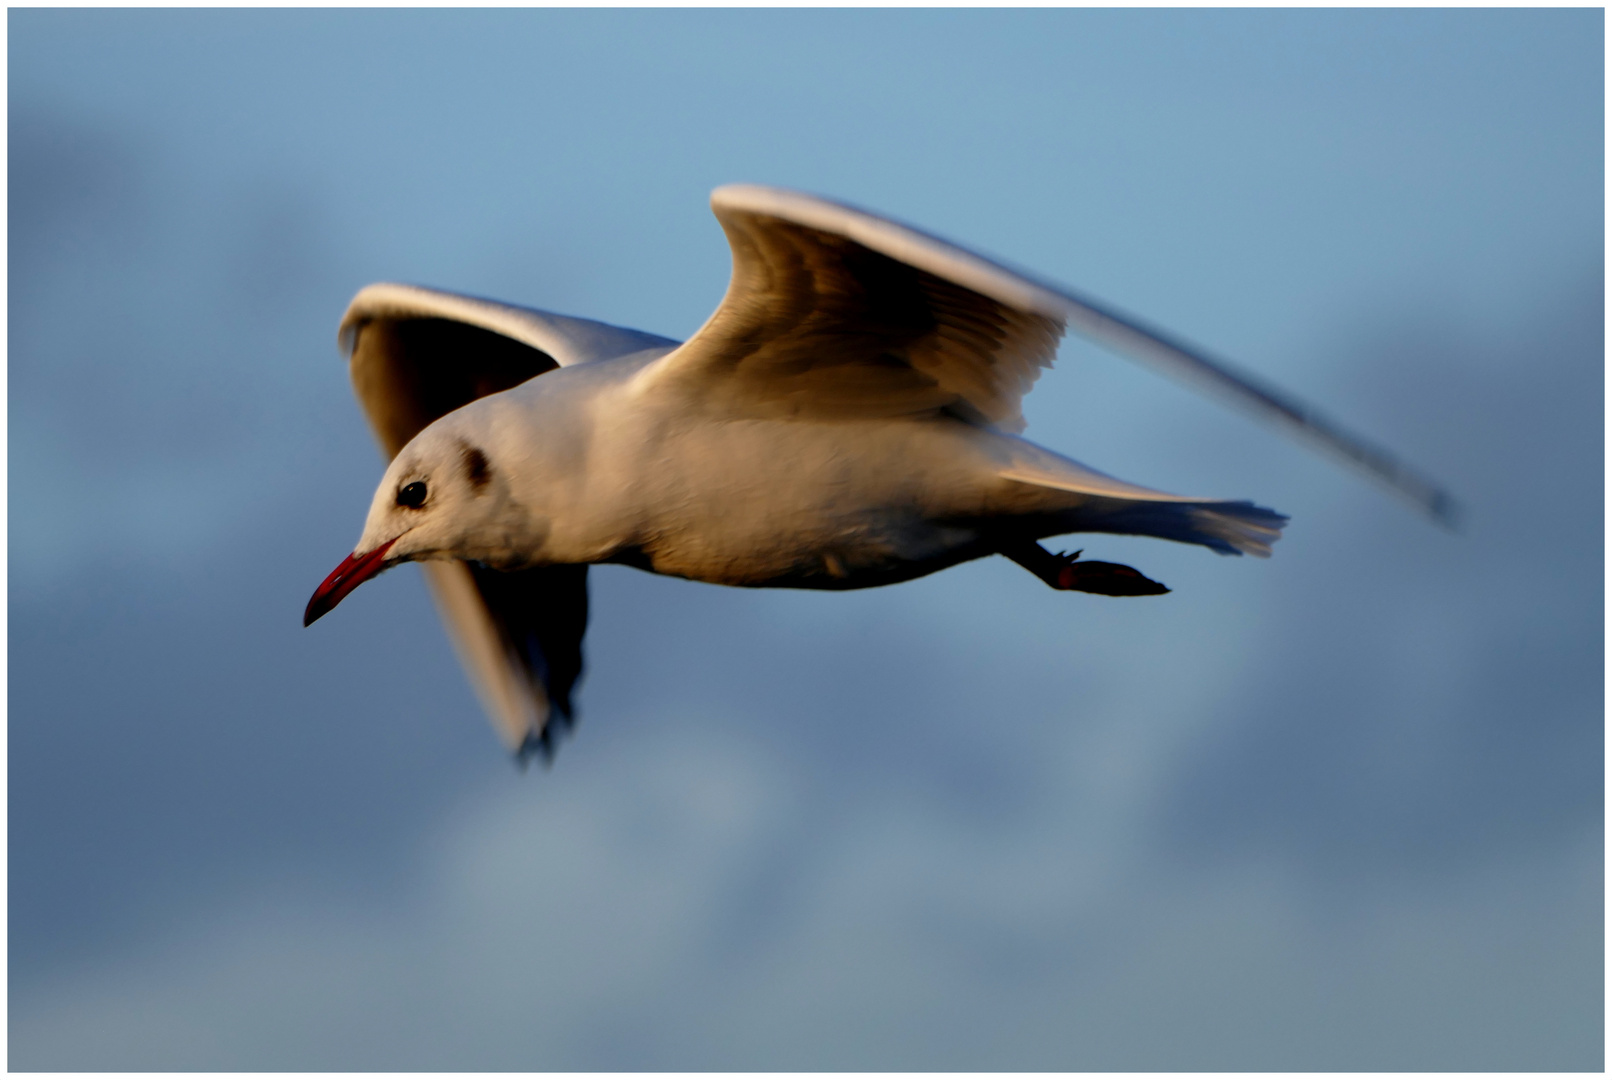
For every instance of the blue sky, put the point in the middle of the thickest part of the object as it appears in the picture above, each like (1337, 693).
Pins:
(1341, 809)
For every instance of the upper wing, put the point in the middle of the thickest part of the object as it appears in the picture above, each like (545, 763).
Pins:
(830, 314)
(416, 354)
(833, 311)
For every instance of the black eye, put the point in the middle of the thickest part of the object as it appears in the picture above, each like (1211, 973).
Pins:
(411, 494)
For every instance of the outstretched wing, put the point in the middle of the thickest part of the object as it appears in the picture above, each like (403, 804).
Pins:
(828, 315)
(833, 311)
(416, 354)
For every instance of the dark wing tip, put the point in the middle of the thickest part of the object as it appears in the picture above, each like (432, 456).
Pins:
(1448, 511)
(545, 744)
(540, 615)
(538, 746)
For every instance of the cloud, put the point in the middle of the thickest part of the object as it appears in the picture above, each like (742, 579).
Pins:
(581, 926)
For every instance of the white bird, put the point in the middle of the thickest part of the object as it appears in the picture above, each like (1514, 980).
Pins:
(847, 417)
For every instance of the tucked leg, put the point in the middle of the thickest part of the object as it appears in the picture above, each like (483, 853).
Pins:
(1065, 572)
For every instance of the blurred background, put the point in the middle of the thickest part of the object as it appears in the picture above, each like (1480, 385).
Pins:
(1338, 810)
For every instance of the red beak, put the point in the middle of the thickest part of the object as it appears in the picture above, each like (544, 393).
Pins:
(353, 572)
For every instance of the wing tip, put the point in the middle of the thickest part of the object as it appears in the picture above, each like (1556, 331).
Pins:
(1447, 511)
(544, 744)
(534, 746)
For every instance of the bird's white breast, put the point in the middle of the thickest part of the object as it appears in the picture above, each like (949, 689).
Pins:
(732, 500)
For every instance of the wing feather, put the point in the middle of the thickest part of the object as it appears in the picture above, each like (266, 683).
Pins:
(417, 354)
(821, 292)
(817, 324)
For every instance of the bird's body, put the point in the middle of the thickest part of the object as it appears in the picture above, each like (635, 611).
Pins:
(847, 418)
(596, 467)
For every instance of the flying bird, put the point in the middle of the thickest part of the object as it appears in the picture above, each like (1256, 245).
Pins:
(848, 417)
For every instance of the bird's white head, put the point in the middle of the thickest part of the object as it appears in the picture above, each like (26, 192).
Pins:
(443, 497)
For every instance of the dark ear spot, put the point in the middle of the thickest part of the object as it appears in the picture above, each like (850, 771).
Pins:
(477, 471)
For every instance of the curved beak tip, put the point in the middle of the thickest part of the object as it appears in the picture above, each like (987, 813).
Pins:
(354, 570)
(317, 606)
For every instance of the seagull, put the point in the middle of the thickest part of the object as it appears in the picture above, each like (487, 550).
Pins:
(848, 417)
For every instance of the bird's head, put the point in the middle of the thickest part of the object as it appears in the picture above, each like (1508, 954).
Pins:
(442, 498)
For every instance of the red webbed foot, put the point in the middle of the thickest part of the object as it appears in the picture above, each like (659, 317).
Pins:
(1104, 578)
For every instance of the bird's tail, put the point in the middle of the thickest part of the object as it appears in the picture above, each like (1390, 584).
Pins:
(1114, 506)
(1231, 528)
